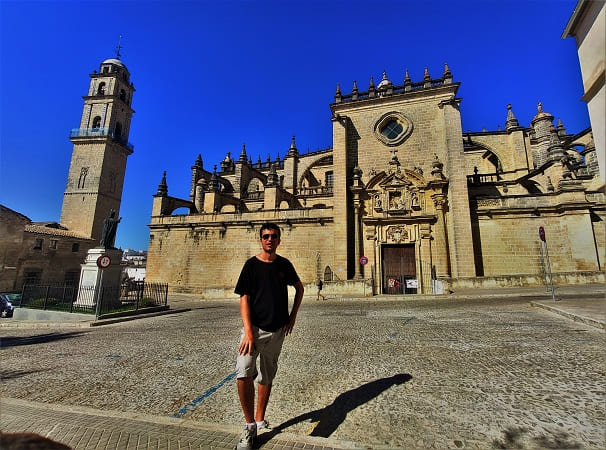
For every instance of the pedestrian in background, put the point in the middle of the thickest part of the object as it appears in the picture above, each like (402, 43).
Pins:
(319, 285)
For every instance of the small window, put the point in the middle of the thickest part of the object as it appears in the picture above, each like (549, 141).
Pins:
(53, 244)
(75, 247)
(106, 69)
(329, 177)
(328, 274)
(122, 95)
(101, 89)
(32, 276)
(97, 122)
(38, 244)
(392, 129)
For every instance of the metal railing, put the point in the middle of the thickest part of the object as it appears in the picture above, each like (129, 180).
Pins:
(130, 296)
(101, 132)
(253, 195)
(316, 190)
(483, 178)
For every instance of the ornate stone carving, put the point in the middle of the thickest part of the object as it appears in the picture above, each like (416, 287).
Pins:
(488, 203)
(377, 202)
(397, 233)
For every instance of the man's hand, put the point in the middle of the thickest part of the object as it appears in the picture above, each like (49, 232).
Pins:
(248, 341)
(295, 309)
(290, 325)
(247, 345)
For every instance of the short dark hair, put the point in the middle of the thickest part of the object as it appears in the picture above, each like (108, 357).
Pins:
(269, 226)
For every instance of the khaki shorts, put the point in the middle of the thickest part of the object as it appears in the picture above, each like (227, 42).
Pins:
(268, 346)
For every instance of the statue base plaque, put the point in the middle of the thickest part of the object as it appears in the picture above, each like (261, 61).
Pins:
(100, 277)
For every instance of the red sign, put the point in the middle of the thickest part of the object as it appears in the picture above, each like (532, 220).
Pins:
(363, 260)
(542, 233)
(104, 261)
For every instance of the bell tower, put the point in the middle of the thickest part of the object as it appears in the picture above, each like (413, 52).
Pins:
(101, 148)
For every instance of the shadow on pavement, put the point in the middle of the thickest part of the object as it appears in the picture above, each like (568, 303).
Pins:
(10, 374)
(330, 417)
(36, 339)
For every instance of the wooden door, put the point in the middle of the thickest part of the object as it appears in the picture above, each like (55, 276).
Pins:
(398, 266)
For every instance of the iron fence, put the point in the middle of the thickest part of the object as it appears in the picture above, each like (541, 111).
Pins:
(130, 296)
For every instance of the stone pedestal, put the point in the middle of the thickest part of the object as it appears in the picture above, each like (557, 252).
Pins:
(96, 281)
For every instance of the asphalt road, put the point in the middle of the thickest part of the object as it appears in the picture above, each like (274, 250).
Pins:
(414, 374)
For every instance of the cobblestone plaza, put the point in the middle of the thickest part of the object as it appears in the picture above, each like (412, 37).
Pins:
(382, 373)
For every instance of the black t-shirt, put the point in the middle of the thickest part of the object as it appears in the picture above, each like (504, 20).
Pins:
(265, 284)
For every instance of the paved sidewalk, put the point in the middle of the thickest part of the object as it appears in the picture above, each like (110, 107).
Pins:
(86, 428)
(590, 311)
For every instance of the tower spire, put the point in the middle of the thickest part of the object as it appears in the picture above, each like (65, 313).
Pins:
(163, 187)
(511, 121)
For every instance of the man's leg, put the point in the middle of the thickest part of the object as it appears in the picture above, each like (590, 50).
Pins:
(246, 392)
(264, 391)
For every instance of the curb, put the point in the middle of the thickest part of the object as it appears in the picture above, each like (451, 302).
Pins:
(101, 322)
(88, 323)
(283, 439)
(576, 317)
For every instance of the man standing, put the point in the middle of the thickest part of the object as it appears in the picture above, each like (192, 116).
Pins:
(262, 287)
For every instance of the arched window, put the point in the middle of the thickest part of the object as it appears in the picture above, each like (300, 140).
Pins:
(328, 274)
(97, 122)
(122, 95)
(101, 89)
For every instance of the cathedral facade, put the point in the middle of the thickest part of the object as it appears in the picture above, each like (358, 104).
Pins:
(403, 201)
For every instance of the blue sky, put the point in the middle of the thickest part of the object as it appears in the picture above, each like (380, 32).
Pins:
(212, 75)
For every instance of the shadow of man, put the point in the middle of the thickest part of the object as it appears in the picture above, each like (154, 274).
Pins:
(330, 417)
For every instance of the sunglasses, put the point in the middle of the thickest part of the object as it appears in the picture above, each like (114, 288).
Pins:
(267, 236)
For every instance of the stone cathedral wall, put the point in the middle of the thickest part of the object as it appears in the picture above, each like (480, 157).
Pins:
(203, 258)
(510, 244)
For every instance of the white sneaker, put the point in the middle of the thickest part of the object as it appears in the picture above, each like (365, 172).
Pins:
(247, 438)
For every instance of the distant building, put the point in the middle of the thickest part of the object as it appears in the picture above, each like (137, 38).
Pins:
(35, 252)
(403, 202)
(44, 252)
(133, 264)
(588, 26)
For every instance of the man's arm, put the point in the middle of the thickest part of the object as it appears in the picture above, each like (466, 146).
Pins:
(295, 308)
(248, 341)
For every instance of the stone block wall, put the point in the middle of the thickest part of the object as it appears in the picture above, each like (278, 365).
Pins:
(201, 257)
(53, 263)
(88, 200)
(12, 225)
(510, 244)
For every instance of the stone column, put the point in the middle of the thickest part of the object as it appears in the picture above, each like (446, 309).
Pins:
(425, 258)
(460, 242)
(357, 237)
(441, 254)
(199, 197)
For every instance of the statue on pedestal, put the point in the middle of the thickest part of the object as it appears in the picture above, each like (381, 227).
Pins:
(110, 226)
